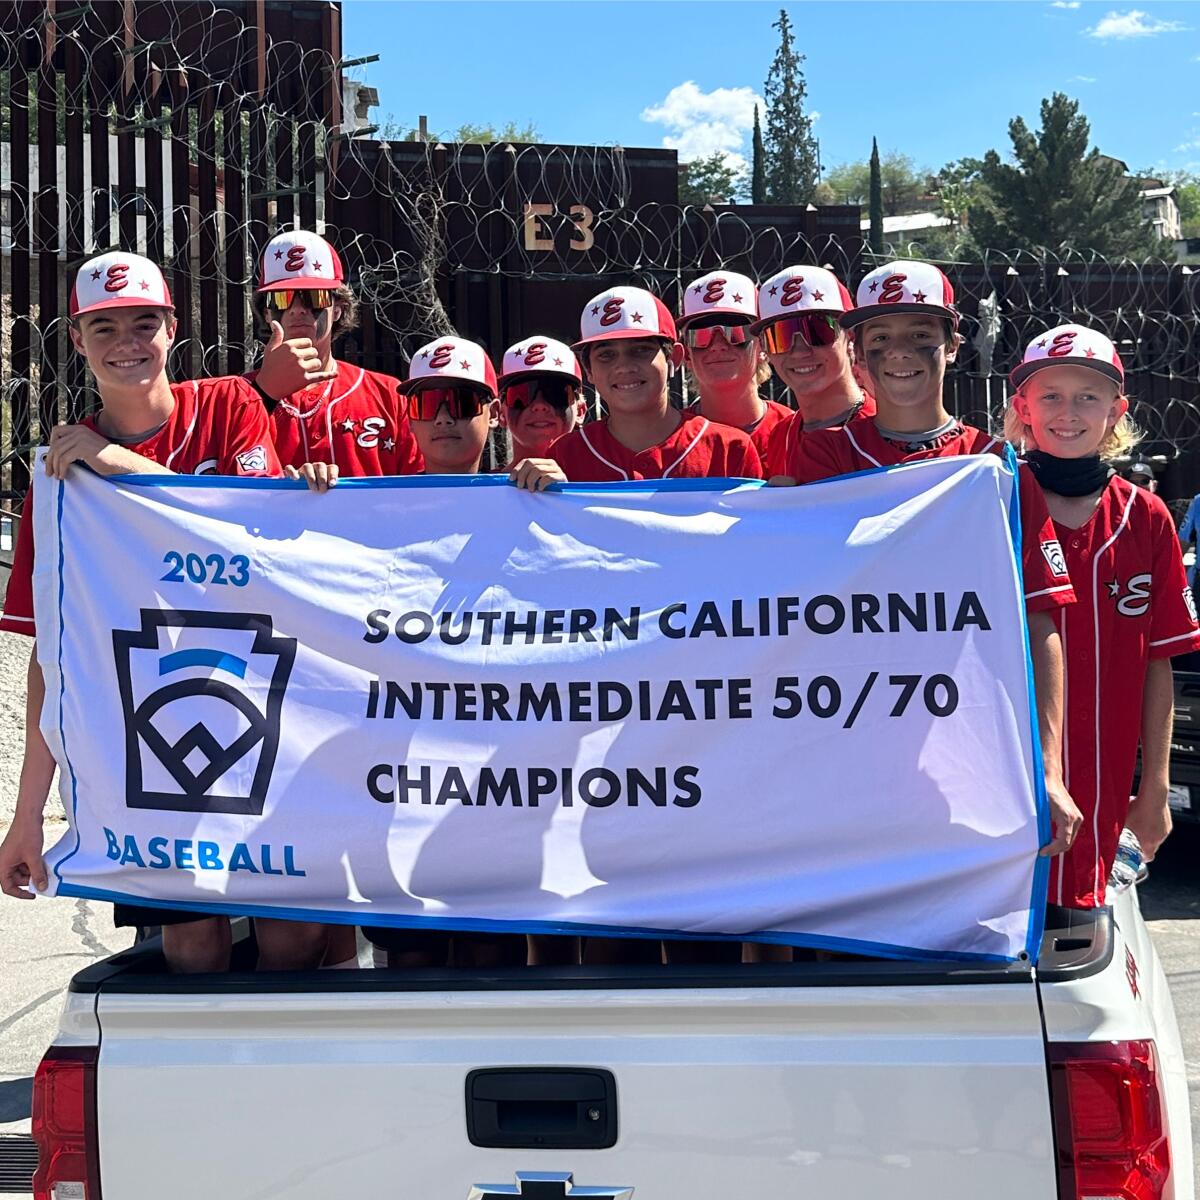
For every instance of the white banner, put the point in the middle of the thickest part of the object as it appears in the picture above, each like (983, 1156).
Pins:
(720, 710)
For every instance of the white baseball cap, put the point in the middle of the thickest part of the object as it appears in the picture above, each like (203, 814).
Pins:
(800, 289)
(118, 280)
(624, 312)
(1070, 344)
(297, 258)
(538, 355)
(720, 293)
(903, 286)
(451, 360)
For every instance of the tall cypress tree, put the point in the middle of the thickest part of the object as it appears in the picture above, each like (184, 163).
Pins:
(758, 167)
(875, 237)
(791, 149)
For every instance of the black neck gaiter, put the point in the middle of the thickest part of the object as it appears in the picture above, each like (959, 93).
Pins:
(1069, 476)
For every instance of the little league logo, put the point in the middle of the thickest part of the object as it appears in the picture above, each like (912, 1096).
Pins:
(201, 694)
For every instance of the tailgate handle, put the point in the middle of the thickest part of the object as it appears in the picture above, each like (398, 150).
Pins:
(542, 1108)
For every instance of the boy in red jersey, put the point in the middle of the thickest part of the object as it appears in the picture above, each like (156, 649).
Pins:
(342, 419)
(1135, 609)
(629, 351)
(541, 396)
(906, 329)
(726, 360)
(122, 321)
(798, 312)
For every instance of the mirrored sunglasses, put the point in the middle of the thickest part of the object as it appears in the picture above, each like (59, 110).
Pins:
(814, 329)
(315, 299)
(462, 402)
(558, 393)
(702, 338)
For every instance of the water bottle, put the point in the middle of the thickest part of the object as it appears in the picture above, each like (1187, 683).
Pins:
(1127, 864)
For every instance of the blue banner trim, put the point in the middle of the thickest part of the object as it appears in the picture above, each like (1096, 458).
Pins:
(567, 928)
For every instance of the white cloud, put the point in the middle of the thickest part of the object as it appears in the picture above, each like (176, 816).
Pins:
(814, 116)
(1082, 79)
(1065, 3)
(1134, 23)
(702, 123)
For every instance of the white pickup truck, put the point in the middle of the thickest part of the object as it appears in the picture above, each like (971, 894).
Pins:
(847, 1078)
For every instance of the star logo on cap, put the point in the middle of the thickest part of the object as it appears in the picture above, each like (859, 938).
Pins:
(144, 285)
(278, 253)
(736, 298)
(425, 352)
(1090, 352)
(95, 274)
(919, 297)
(1114, 588)
(595, 310)
(518, 352)
(464, 363)
(1042, 344)
(636, 318)
(558, 362)
(874, 286)
(389, 443)
(316, 265)
(348, 425)
(818, 295)
(697, 289)
(774, 290)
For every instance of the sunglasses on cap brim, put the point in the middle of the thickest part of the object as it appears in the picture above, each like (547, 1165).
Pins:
(704, 336)
(462, 402)
(814, 329)
(315, 299)
(560, 394)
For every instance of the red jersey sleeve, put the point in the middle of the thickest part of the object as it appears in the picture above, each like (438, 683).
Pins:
(1173, 627)
(1043, 565)
(18, 600)
(249, 447)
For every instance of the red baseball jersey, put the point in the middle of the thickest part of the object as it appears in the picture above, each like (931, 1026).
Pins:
(759, 433)
(784, 437)
(356, 420)
(697, 449)
(217, 427)
(858, 446)
(1134, 605)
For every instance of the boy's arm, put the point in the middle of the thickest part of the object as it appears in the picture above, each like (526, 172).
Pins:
(77, 443)
(21, 861)
(1149, 814)
(1045, 647)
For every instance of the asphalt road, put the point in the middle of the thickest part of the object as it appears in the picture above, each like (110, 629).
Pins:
(43, 943)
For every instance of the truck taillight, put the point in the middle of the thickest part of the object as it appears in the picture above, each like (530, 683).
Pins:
(64, 1125)
(1110, 1121)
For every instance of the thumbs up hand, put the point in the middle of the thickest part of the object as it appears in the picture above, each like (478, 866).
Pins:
(290, 365)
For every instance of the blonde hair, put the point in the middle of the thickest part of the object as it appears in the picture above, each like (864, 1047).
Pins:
(1117, 443)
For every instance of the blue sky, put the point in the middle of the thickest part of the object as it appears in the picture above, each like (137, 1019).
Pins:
(935, 80)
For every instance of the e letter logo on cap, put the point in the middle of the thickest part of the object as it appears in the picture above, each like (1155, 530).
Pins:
(893, 289)
(1063, 345)
(715, 291)
(116, 277)
(295, 259)
(441, 357)
(612, 311)
(793, 290)
(536, 353)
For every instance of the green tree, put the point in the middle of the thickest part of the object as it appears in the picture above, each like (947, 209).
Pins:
(901, 182)
(791, 149)
(1057, 193)
(875, 237)
(390, 130)
(758, 169)
(709, 180)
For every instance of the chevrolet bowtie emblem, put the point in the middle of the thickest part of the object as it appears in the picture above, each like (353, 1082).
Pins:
(546, 1185)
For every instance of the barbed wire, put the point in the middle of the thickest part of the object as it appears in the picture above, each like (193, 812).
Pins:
(159, 138)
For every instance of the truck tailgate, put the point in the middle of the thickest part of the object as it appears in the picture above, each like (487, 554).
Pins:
(846, 1091)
